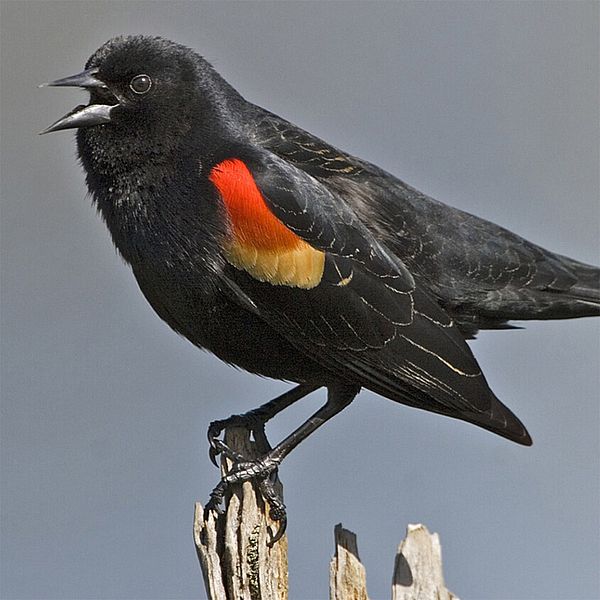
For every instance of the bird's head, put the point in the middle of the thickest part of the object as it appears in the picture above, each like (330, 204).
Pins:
(145, 92)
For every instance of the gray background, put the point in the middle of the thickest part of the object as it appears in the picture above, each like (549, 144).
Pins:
(492, 107)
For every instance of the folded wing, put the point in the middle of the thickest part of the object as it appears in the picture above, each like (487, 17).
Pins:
(316, 274)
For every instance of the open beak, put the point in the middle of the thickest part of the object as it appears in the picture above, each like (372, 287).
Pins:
(82, 116)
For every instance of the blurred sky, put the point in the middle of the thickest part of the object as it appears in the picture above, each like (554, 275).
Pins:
(491, 107)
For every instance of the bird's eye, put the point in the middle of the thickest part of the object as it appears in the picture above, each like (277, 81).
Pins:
(140, 84)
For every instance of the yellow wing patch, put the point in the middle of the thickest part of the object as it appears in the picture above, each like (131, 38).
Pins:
(301, 267)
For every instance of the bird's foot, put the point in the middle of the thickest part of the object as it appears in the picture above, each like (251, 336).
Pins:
(253, 421)
(264, 472)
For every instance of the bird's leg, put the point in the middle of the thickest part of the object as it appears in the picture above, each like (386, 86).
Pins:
(254, 420)
(263, 468)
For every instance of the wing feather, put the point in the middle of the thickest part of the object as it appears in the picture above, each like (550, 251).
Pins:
(368, 319)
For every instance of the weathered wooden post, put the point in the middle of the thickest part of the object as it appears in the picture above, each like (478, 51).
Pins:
(239, 564)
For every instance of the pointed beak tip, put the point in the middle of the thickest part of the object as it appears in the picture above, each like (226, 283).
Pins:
(43, 85)
(48, 129)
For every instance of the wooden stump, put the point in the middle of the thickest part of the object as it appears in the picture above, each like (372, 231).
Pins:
(347, 576)
(238, 563)
(418, 567)
(236, 560)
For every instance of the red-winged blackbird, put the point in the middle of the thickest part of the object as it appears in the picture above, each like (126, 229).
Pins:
(291, 259)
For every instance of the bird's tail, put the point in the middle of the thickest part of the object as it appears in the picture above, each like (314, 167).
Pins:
(580, 297)
(571, 289)
(584, 295)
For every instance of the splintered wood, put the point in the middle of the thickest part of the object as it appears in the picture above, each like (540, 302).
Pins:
(238, 563)
(418, 567)
(347, 576)
(235, 557)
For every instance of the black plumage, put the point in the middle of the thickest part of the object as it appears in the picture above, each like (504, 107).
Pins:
(405, 279)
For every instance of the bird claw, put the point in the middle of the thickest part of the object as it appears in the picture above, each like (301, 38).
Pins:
(212, 454)
(213, 433)
(252, 421)
(264, 472)
(216, 498)
(276, 506)
(280, 530)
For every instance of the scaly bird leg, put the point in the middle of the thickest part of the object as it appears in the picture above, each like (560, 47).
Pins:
(262, 469)
(254, 420)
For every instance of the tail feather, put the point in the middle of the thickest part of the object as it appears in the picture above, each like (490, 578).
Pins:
(582, 298)
(586, 289)
(572, 290)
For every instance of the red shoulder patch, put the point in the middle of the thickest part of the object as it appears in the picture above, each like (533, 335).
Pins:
(260, 243)
(251, 220)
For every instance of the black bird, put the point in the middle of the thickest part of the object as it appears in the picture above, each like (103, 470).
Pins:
(294, 260)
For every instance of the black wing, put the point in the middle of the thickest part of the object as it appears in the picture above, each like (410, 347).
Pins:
(368, 320)
(483, 274)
